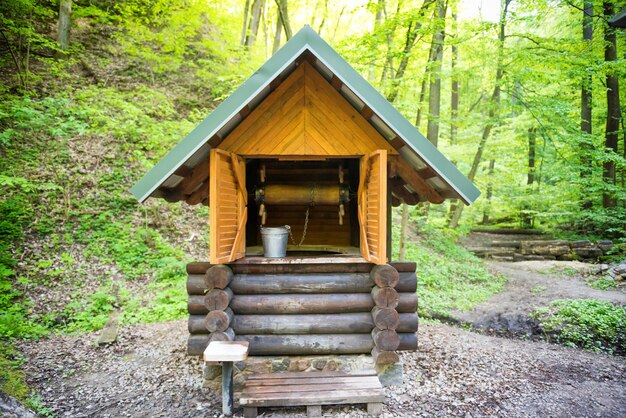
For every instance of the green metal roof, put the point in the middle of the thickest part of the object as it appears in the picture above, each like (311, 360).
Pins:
(420, 152)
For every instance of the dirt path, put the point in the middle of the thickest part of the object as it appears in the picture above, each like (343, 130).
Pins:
(454, 373)
(532, 284)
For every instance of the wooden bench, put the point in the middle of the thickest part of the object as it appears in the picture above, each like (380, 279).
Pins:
(312, 389)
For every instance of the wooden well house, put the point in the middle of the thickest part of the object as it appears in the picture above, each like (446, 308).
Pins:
(304, 142)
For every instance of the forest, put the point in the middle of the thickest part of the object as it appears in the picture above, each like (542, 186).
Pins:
(523, 96)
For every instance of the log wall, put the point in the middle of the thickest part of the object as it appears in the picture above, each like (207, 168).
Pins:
(347, 308)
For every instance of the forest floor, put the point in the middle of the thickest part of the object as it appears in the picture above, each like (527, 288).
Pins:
(455, 372)
(531, 285)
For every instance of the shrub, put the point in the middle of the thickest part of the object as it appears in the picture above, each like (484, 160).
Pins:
(591, 324)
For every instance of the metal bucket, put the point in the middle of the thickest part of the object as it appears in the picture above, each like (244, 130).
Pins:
(275, 241)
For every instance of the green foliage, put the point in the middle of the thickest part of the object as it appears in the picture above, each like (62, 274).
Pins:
(590, 324)
(602, 283)
(449, 277)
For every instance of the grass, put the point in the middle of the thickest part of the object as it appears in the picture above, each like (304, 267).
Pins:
(449, 277)
(590, 324)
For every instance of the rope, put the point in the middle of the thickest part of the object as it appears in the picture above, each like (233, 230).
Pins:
(313, 196)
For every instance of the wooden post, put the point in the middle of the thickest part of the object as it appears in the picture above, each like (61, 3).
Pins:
(227, 388)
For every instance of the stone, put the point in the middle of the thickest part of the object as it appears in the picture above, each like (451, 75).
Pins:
(318, 364)
(567, 257)
(281, 365)
(211, 371)
(580, 243)
(591, 252)
(302, 365)
(331, 365)
(10, 407)
(391, 374)
(256, 366)
(605, 246)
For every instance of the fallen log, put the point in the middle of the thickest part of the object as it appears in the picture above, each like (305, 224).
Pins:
(264, 345)
(246, 284)
(345, 323)
(301, 304)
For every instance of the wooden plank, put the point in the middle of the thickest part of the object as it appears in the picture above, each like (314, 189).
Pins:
(296, 375)
(329, 397)
(226, 351)
(287, 387)
(309, 379)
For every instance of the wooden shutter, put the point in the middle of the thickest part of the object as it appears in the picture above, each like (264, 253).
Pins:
(228, 200)
(373, 206)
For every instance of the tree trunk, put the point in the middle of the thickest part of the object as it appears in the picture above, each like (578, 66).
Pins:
(377, 22)
(63, 30)
(586, 105)
(434, 89)
(493, 107)
(489, 193)
(283, 13)
(277, 35)
(411, 36)
(244, 30)
(255, 20)
(613, 110)
(454, 88)
(532, 151)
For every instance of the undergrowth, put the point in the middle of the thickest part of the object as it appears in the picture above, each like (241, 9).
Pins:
(449, 277)
(590, 324)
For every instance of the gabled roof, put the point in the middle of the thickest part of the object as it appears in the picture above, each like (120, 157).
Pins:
(181, 173)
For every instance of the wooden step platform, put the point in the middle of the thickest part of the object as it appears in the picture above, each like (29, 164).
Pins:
(312, 389)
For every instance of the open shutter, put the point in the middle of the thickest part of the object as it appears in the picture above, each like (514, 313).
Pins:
(373, 206)
(228, 200)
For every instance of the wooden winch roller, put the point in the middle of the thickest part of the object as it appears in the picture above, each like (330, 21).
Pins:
(309, 194)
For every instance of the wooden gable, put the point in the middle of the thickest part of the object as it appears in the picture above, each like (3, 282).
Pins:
(305, 116)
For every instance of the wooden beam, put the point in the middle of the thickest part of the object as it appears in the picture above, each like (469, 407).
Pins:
(410, 176)
(215, 140)
(397, 143)
(200, 194)
(245, 111)
(367, 112)
(398, 189)
(172, 195)
(336, 82)
(200, 174)
(183, 171)
(426, 173)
